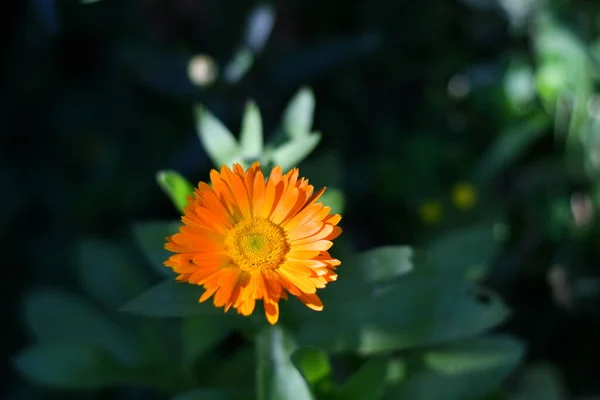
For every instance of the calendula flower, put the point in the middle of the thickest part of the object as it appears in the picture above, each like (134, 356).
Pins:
(244, 239)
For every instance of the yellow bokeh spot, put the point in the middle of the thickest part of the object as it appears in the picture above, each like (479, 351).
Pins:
(431, 212)
(256, 244)
(464, 196)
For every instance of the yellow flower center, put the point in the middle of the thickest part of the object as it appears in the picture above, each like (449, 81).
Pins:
(256, 244)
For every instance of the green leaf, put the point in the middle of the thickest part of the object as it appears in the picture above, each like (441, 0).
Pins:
(251, 137)
(466, 370)
(67, 366)
(464, 252)
(368, 383)
(176, 187)
(474, 355)
(211, 394)
(298, 115)
(151, 237)
(384, 263)
(333, 198)
(201, 333)
(291, 153)
(171, 299)
(313, 363)
(418, 309)
(107, 273)
(239, 65)
(54, 316)
(218, 141)
(278, 379)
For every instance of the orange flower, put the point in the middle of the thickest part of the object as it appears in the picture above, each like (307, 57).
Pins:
(245, 240)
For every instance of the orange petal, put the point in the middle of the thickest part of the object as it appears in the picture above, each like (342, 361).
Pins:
(227, 281)
(207, 293)
(271, 310)
(247, 306)
(285, 205)
(320, 245)
(301, 282)
(258, 194)
(304, 216)
(311, 301)
(322, 233)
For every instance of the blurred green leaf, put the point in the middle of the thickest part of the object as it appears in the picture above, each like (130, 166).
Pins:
(510, 144)
(465, 370)
(418, 309)
(333, 198)
(291, 153)
(211, 394)
(298, 115)
(380, 264)
(473, 355)
(239, 65)
(55, 316)
(313, 363)
(251, 137)
(519, 85)
(259, 25)
(201, 333)
(107, 274)
(151, 237)
(539, 382)
(368, 383)
(278, 378)
(171, 299)
(218, 141)
(67, 366)
(464, 252)
(176, 187)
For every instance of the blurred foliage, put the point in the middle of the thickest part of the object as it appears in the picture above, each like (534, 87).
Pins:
(460, 139)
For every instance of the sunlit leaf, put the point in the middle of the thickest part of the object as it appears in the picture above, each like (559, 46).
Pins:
(251, 136)
(313, 363)
(298, 116)
(278, 378)
(218, 141)
(291, 153)
(176, 187)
